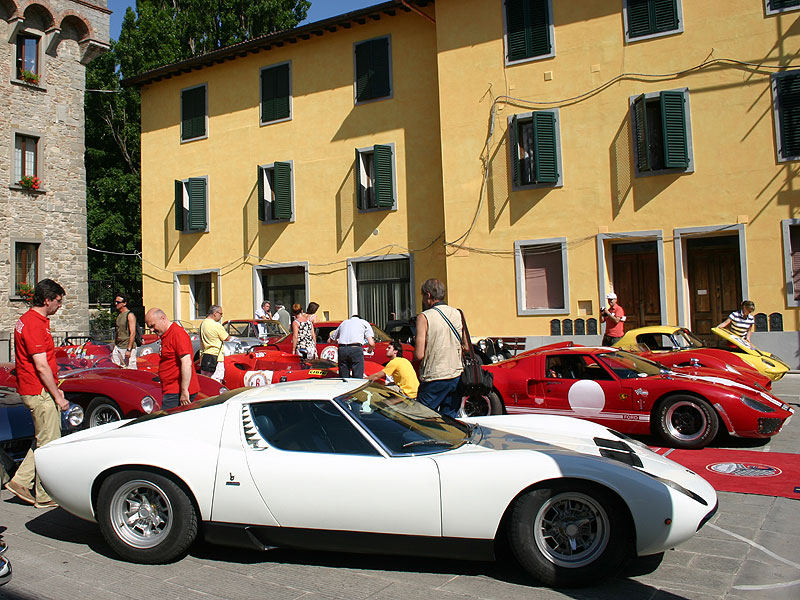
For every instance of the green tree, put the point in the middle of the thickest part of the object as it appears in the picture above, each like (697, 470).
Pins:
(158, 32)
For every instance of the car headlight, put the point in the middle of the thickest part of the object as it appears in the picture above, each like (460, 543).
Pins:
(494, 358)
(148, 404)
(769, 363)
(222, 389)
(756, 405)
(73, 416)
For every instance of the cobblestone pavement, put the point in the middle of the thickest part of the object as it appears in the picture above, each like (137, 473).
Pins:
(748, 551)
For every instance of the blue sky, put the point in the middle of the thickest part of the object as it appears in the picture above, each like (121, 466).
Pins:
(320, 9)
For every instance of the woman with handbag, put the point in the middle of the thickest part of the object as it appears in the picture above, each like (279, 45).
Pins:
(212, 334)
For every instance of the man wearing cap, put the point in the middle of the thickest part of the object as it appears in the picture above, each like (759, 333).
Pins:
(614, 317)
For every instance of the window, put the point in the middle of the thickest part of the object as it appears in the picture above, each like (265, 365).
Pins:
(27, 55)
(376, 180)
(541, 270)
(276, 93)
(652, 18)
(275, 193)
(786, 109)
(775, 7)
(25, 157)
(191, 204)
(529, 30)
(26, 264)
(193, 113)
(285, 285)
(535, 144)
(383, 289)
(662, 132)
(201, 287)
(373, 69)
(309, 426)
(791, 254)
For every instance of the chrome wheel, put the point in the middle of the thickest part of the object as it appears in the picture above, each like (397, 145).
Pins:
(105, 413)
(571, 529)
(475, 406)
(685, 421)
(141, 514)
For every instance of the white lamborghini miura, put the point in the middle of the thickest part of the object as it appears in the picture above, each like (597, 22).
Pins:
(348, 466)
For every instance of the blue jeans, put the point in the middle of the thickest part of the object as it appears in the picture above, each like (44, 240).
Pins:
(173, 400)
(441, 395)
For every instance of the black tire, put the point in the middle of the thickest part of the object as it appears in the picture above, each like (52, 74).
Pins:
(167, 530)
(8, 466)
(570, 534)
(477, 404)
(685, 421)
(102, 410)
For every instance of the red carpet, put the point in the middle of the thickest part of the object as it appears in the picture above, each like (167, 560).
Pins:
(744, 471)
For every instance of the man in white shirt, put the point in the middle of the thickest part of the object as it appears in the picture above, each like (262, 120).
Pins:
(351, 335)
(263, 313)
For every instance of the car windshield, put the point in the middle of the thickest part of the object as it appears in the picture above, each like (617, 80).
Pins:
(629, 366)
(686, 339)
(381, 335)
(400, 425)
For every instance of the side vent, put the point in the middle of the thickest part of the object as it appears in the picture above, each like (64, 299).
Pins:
(254, 440)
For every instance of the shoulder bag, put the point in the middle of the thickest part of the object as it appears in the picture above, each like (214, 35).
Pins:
(474, 377)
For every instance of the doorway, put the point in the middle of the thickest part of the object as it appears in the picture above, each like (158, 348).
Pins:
(715, 281)
(637, 283)
(284, 285)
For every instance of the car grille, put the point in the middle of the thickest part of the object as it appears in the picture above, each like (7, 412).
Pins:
(767, 425)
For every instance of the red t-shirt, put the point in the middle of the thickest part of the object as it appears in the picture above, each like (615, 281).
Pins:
(32, 336)
(175, 343)
(615, 329)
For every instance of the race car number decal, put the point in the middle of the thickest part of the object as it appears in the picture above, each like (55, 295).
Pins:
(586, 398)
(257, 378)
(330, 353)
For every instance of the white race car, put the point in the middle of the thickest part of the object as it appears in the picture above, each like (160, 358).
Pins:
(352, 466)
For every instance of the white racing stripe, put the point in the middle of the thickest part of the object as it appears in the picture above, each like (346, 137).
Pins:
(611, 416)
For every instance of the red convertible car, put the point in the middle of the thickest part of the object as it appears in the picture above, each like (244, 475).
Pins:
(111, 393)
(330, 351)
(631, 394)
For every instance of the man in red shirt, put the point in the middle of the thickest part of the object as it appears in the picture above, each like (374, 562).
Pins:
(179, 383)
(614, 318)
(37, 383)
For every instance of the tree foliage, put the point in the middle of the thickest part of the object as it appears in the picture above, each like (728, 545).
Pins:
(157, 33)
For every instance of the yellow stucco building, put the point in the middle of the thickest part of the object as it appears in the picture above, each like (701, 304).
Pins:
(532, 154)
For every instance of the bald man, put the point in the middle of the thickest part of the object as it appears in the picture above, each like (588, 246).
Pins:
(179, 383)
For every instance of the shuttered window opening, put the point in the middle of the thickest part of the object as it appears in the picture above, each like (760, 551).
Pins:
(275, 93)
(787, 113)
(373, 77)
(660, 131)
(774, 6)
(193, 113)
(794, 243)
(376, 178)
(275, 197)
(191, 204)
(535, 149)
(652, 17)
(529, 29)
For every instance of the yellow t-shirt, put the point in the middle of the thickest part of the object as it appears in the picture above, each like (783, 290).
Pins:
(212, 334)
(402, 371)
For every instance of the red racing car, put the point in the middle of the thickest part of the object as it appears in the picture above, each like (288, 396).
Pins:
(631, 394)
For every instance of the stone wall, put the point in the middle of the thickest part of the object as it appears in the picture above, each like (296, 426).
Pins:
(53, 110)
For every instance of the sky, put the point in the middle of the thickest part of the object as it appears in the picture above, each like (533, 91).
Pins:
(320, 9)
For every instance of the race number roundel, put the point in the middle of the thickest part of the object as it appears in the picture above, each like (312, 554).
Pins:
(586, 398)
(330, 353)
(257, 378)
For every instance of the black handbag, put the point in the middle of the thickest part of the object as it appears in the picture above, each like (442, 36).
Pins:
(474, 377)
(208, 363)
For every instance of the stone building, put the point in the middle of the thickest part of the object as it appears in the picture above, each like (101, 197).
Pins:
(42, 83)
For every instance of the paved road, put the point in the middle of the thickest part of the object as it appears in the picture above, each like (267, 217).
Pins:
(749, 550)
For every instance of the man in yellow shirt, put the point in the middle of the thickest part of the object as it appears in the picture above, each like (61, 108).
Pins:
(212, 334)
(399, 369)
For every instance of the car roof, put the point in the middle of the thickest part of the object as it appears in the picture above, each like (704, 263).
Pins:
(304, 389)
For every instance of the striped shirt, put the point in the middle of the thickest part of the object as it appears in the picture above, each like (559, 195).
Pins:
(739, 323)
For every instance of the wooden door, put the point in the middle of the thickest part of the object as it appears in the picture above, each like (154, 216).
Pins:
(636, 283)
(715, 282)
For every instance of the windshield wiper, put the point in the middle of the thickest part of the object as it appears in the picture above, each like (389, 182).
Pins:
(426, 442)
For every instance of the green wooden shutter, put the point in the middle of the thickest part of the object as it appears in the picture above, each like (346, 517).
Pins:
(275, 93)
(513, 132)
(516, 30)
(673, 120)
(180, 218)
(789, 115)
(639, 18)
(262, 202)
(372, 70)
(197, 204)
(363, 71)
(384, 185)
(539, 43)
(527, 28)
(193, 113)
(282, 181)
(665, 15)
(781, 4)
(640, 137)
(546, 151)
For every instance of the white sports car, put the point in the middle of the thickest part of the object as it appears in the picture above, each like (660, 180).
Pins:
(351, 466)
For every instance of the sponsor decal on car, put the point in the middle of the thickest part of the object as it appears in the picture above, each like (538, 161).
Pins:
(744, 469)
(316, 372)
